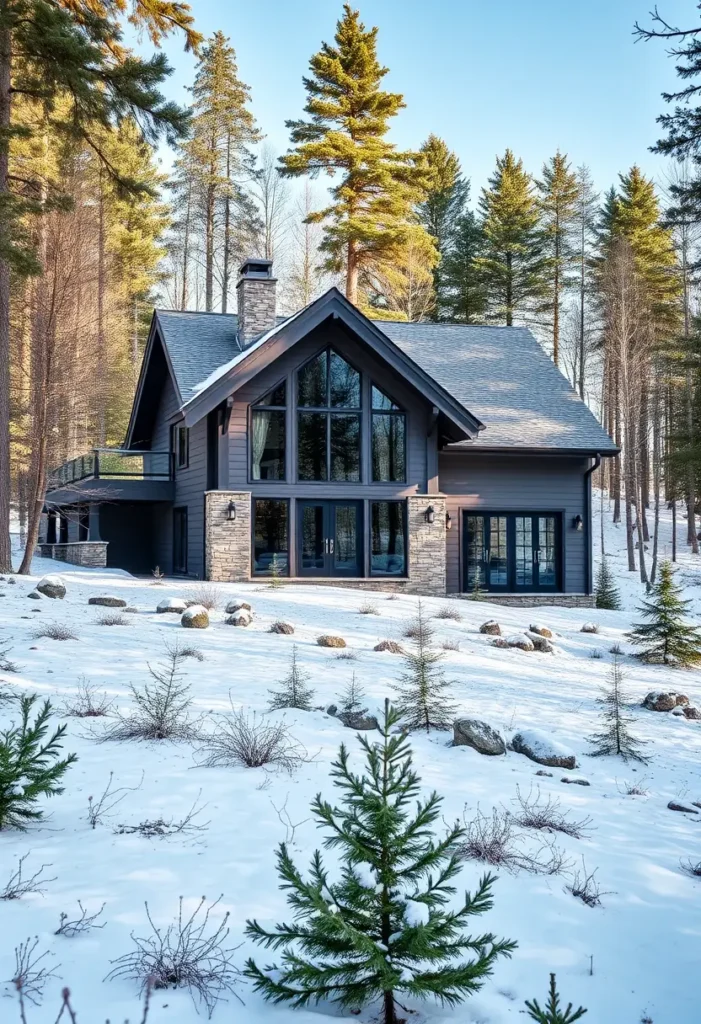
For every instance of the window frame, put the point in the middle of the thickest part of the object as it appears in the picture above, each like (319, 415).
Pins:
(328, 411)
(182, 453)
(259, 406)
(285, 501)
(375, 573)
(398, 412)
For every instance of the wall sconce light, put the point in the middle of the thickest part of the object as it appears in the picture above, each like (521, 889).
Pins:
(448, 521)
(430, 514)
(578, 523)
(231, 511)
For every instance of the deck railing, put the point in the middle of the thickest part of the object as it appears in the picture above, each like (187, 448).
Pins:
(111, 464)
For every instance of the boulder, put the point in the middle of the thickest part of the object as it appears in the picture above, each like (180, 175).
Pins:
(491, 627)
(541, 748)
(576, 782)
(683, 808)
(195, 617)
(330, 641)
(107, 601)
(34, 595)
(544, 774)
(658, 700)
(240, 618)
(589, 627)
(171, 604)
(13, 580)
(332, 710)
(361, 721)
(52, 586)
(692, 713)
(541, 631)
(541, 643)
(236, 606)
(389, 645)
(482, 737)
(520, 641)
(286, 628)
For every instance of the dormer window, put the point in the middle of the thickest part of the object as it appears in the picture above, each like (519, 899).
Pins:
(268, 435)
(328, 419)
(388, 439)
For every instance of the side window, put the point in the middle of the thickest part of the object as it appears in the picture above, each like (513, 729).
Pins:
(183, 447)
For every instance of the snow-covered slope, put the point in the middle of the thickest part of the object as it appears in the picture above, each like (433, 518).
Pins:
(637, 955)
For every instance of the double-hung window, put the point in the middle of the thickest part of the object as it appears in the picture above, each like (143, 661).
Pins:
(328, 419)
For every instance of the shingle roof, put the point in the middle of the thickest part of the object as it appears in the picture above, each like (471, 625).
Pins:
(500, 374)
(505, 378)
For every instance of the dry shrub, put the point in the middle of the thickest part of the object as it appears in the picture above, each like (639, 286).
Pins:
(368, 609)
(55, 631)
(545, 815)
(113, 619)
(447, 611)
(87, 702)
(585, 886)
(691, 867)
(239, 740)
(31, 972)
(496, 840)
(205, 594)
(20, 884)
(451, 645)
(70, 927)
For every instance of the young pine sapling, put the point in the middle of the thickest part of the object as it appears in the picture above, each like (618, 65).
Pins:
(666, 637)
(424, 693)
(293, 692)
(615, 736)
(552, 1013)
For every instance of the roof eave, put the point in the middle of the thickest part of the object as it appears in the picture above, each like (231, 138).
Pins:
(496, 449)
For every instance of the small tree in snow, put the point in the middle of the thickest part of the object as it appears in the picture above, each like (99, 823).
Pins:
(666, 637)
(615, 736)
(30, 765)
(424, 693)
(606, 592)
(386, 926)
(352, 700)
(551, 1013)
(293, 692)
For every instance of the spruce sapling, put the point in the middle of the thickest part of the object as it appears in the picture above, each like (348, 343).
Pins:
(551, 1013)
(477, 593)
(275, 573)
(424, 694)
(30, 765)
(606, 592)
(615, 737)
(388, 924)
(666, 637)
(352, 700)
(293, 692)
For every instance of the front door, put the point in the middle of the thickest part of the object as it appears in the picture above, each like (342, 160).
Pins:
(330, 538)
(512, 552)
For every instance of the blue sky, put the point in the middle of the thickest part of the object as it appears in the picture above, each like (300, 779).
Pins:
(484, 74)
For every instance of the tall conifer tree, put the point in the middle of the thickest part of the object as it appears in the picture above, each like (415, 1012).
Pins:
(462, 276)
(441, 209)
(559, 193)
(373, 198)
(514, 263)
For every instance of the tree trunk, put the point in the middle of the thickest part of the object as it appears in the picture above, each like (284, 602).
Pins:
(102, 374)
(352, 273)
(5, 479)
(617, 461)
(209, 252)
(227, 230)
(186, 248)
(644, 448)
(509, 290)
(582, 273)
(390, 1012)
(556, 302)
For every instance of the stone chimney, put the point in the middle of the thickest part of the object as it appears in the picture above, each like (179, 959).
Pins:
(256, 299)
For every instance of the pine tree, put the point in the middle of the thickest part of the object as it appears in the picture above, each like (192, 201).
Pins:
(385, 927)
(514, 263)
(293, 692)
(30, 767)
(552, 1014)
(666, 637)
(374, 195)
(615, 737)
(424, 694)
(352, 700)
(441, 209)
(605, 589)
(559, 195)
(465, 292)
(584, 230)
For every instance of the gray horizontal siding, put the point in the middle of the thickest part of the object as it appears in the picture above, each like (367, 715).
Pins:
(519, 483)
(190, 485)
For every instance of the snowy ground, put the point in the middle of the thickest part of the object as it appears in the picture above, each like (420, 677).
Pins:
(644, 942)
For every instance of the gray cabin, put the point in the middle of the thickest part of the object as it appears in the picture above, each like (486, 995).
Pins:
(327, 447)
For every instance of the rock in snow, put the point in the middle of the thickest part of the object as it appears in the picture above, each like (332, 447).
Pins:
(195, 617)
(389, 645)
(491, 627)
(657, 700)
(236, 606)
(52, 586)
(542, 631)
(171, 604)
(330, 641)
(240, 618)
(107, 601)
(589, 627)
(285, 628)
(520, 641)
(481, 736)
(541, 748)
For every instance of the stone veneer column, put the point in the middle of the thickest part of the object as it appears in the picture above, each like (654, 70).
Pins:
(427, 547)
(227, 542)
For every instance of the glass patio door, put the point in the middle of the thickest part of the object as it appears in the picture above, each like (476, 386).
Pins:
(330, 538)
(513, 552)
(486, 550)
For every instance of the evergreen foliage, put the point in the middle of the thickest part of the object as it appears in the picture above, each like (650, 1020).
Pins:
(352, 701)
(665, 636)
(293, 692)
(552, 1012)
(605, 589)
(559, 195)
(441, 209)
(462, 281)
(31, 766)
(424, 700)
(616, 737)
(373, 196)
(385, 927)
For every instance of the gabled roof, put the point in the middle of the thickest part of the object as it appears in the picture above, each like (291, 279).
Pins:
(503, 375)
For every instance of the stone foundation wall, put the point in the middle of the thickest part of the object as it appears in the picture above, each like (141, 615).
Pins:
(536, 600)
(227, 542)
(427, 547)
(90, 553)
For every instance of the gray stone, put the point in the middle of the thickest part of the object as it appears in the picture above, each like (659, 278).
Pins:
(228, 541)
(195, 617)
(236, 606)
(542, 750)
(473, 732)
(174, 605)
(12, 579)
(542, 631)
(52, 586)
(657, 700)
(34, 595)
(491, 628)
(107, 601)
(547, 775)
(575, 782)
(683, 808)
(285, 628)
(541, 643)
(330, 641)
(692, 713)
(332, 710)
(389, 645)
(240, 618)
(589, 627)
(361, 721)
(520, 642)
